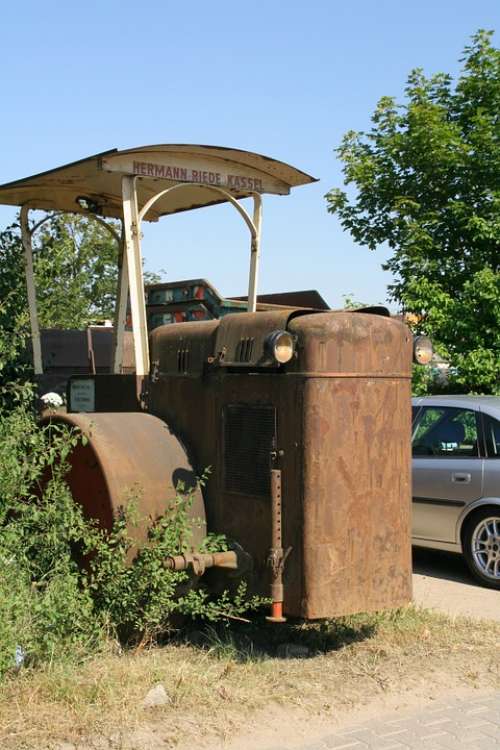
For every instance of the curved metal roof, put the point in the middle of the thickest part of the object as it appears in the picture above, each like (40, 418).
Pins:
(97, 178)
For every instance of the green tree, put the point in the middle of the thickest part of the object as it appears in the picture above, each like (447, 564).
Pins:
(14, 322)
(427, 183)
(76, 271)
(75, 263)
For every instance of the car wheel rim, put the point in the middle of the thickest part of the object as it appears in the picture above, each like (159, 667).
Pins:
(486, 547)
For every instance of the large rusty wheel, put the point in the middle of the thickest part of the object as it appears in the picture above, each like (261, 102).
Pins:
(129, 455)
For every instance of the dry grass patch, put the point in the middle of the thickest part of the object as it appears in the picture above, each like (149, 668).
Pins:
(216, 688)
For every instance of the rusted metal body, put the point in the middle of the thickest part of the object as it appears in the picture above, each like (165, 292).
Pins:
(339, 416)
(129, 456)
(66, 352)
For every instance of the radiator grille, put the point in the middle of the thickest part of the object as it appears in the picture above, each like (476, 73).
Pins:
(244, 349)
(249, 437)
(182, 360)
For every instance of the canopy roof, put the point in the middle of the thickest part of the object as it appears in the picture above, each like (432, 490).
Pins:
(95, 182)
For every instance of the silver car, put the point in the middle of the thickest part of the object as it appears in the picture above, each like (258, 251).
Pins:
(456, 479)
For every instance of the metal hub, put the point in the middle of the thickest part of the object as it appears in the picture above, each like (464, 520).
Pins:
(486, 547)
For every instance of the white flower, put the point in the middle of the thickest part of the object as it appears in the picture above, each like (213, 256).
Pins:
(52, 399)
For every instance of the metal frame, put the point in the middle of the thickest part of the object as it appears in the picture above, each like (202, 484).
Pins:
(132, 218)
(109, 178)
(27, 240)
(121, 306)
(130, 276)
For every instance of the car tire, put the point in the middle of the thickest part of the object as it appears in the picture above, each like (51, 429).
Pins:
(481, 545)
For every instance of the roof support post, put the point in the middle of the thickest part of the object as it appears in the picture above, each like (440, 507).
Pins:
(132, 236)
(121, 306)
(254, 254)
(26, 236)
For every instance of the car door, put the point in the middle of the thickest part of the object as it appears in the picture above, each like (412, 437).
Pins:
(447, 469)
(491, 481)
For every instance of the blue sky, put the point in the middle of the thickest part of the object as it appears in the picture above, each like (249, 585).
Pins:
(283, 79)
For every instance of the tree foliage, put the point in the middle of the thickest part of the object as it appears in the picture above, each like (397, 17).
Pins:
(75, 263)
(76, 268)
(427, 183)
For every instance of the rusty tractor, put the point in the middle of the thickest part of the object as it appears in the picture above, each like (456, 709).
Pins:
(303, 414)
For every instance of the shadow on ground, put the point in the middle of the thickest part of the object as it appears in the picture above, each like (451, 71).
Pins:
(291, 640)
(445, 565)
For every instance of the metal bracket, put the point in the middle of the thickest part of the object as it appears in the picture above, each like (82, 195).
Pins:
(277, 556)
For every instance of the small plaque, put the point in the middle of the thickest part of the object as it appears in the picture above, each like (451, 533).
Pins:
(82, 395)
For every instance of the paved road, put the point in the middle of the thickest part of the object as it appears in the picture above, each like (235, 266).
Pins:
(449, 725)
(442, 581)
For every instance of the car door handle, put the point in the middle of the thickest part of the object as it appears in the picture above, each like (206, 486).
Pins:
(461, 477)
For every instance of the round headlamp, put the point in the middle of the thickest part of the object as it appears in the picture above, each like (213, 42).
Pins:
(422, 350)
(280, 345)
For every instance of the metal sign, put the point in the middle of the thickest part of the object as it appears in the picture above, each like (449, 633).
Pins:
(82, 395)
(214, 172)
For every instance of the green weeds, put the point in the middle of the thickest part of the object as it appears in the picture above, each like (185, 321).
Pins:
(53, 607)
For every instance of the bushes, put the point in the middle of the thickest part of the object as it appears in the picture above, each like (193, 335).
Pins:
(44, 608)
(50, 605)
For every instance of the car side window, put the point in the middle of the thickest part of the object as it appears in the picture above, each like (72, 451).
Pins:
(446, 432)
(492, 434)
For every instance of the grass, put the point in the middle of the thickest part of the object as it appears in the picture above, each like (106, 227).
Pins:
(222, 678)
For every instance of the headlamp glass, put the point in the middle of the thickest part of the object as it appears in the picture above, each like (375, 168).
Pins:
(280, 345)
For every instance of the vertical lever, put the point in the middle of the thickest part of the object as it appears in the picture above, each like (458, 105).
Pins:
(277, 556)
